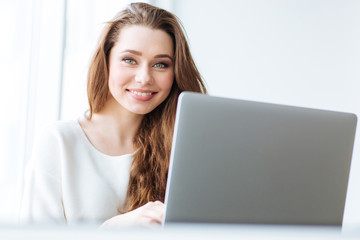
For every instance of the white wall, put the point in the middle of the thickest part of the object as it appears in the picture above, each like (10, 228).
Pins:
(296, 52)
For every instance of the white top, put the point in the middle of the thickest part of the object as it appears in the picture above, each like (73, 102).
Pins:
(69, 181)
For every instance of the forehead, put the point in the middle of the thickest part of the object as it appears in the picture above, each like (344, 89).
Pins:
(145, 39)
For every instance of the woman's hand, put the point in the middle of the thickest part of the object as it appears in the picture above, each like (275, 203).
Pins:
(149, 214)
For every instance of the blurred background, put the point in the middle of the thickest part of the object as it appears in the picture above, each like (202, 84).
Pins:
(295, 52)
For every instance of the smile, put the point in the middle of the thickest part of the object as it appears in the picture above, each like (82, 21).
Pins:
(141, 93)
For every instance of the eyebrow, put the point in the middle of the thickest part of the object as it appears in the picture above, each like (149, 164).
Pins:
(140, 54)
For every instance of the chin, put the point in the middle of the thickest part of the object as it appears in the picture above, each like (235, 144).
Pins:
(142, 111)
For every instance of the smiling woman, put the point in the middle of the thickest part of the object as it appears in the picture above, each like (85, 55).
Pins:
(111, 165)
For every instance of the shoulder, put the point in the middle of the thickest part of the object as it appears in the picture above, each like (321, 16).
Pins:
(61, 127)
(59, 131)
(53, 144)
(58, 137)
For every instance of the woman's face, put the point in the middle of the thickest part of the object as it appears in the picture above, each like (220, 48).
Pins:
(141, 68)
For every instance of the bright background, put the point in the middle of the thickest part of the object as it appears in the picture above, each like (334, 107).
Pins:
(295, 52)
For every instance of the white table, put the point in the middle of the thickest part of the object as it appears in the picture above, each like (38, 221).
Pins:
(174, 232)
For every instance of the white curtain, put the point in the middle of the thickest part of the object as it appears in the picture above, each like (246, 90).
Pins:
(31, 55)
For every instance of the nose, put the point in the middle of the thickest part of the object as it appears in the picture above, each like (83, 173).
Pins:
(143, 75)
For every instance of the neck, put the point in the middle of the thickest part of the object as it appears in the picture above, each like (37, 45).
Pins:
(117, 123)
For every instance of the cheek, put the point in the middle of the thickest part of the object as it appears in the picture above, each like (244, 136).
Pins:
(118, 78)
(167, 81)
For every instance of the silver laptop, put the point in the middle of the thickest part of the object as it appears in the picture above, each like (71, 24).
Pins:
(236, 161)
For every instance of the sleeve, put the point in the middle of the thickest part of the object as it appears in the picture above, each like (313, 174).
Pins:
(42, 196)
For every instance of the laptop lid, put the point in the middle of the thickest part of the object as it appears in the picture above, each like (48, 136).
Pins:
(236, 161)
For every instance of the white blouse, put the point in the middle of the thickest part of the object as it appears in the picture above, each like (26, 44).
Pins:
(69, 181)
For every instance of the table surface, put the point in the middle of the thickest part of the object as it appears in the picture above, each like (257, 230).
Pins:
(189, 231)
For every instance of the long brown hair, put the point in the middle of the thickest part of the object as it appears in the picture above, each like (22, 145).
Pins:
(150, 164)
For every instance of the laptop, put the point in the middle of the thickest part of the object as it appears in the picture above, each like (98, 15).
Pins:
(237, 161)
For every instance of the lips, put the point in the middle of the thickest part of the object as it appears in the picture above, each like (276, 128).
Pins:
(141, 94)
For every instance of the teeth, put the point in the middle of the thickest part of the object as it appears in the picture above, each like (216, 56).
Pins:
(141, 93)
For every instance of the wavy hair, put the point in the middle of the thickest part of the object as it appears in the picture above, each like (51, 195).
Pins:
(148, 173)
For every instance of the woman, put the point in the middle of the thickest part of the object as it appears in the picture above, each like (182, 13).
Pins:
(111, 165)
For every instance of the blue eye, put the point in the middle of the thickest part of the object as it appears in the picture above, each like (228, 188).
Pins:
(160, 65)
(129, 60)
